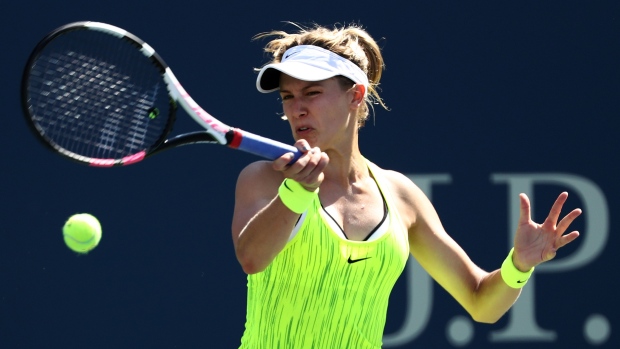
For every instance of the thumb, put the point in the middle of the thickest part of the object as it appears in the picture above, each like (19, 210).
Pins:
(525, 209)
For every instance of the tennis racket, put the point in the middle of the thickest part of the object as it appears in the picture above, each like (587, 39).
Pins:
(100, 96)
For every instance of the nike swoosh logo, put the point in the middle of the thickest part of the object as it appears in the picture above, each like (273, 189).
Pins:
(351, 261)
(286, 185)
(520, 282)
(290, 54)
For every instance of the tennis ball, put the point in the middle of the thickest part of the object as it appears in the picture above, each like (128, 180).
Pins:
(82, 232)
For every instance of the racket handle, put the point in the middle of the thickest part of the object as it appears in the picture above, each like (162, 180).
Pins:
(259, 145)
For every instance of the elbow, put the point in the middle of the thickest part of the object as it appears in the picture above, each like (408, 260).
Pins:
(250, 268)
(486, 318)
(249, 264)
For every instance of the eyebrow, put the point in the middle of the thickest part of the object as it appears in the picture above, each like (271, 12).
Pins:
(311, 84)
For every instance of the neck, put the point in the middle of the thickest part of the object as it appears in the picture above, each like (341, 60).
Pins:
(346, 167)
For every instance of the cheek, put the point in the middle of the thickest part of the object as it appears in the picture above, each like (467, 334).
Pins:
(288, 108)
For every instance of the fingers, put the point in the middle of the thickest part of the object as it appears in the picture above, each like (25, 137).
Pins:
(554, 213)
(283, 162)
(556, 209)
(566, 239)
(308, 169)
(561, 240)
(302, 145)
(568, 220)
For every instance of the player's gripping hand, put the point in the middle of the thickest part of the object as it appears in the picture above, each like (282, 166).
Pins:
(308, 169)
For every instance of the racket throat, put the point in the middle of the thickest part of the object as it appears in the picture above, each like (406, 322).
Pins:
(233, 138)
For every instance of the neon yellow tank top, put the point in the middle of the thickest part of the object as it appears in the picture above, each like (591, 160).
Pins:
(326, 292)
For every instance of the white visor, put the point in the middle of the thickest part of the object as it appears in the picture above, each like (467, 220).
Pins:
(308, 63)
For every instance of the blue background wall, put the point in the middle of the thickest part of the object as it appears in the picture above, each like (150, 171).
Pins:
(478, 91)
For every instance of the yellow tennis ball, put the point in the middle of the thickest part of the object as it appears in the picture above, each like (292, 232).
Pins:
(82, 232)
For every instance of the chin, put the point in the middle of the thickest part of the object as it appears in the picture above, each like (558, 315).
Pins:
(310, 140)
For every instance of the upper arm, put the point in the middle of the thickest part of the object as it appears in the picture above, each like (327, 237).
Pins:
(436, 251)
(256, 186)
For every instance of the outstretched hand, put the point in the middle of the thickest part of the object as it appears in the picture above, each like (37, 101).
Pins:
(536, 243)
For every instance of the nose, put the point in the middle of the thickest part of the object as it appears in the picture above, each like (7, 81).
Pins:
(297, 109)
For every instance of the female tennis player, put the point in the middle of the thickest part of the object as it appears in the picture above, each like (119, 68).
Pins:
(324, 239)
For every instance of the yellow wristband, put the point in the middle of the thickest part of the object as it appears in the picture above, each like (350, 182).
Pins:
(295, 196)
(512, 276)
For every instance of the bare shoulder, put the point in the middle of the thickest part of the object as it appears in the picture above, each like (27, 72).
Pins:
(260, 168)
(258, 179)
(402, 186)
(410, 199)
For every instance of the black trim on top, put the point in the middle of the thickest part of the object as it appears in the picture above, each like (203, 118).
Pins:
(385, 214)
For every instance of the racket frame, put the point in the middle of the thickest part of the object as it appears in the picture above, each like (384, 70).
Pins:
(215, 131)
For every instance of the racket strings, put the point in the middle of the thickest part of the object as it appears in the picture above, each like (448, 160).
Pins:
(103, 101)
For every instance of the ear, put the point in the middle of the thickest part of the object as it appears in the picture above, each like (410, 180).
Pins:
(359, 91)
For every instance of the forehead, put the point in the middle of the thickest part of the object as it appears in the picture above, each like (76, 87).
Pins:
(288, 82)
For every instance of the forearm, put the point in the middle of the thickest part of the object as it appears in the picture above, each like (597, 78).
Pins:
(500, 289)
(493, 298)
(264, 236)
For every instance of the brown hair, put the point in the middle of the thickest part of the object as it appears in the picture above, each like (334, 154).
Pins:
(351, 42)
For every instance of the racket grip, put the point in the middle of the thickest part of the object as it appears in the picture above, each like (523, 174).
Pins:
(259, 145)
